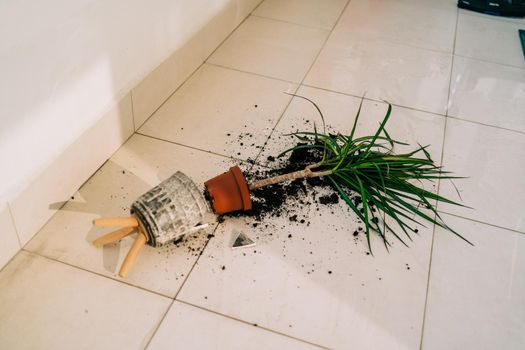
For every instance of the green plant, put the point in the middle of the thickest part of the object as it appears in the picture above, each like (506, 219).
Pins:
(384, 180)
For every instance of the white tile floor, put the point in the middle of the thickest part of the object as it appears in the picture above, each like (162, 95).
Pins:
(457, 81)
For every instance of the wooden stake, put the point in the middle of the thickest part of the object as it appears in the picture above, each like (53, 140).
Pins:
(129, 221)
(132, 254)
(306, 172)
(113, 236)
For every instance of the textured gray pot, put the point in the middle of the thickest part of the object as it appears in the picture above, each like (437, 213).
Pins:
(171, 209)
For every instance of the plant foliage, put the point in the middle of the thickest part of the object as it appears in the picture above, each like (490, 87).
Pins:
(368, 166)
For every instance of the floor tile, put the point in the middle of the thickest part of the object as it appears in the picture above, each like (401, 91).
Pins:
(476, 294)
(313, 13)
(494, 162)
(339, 111)
(490, 40)
(399, 74)
(271, 48)
(189, 327)
(138, 166)
(217, 103)
(314, 280)
(8, 236)
(488, 93)
(48, 305)
(430, 27)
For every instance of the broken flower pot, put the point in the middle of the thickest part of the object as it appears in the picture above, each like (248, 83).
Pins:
(167, 212)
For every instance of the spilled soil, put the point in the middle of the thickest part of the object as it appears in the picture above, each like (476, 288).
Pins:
(292, 199)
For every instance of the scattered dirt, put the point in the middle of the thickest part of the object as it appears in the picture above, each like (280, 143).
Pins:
(292, 199)
(329, 199)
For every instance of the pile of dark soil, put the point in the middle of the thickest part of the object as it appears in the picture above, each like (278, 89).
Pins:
(290, 199)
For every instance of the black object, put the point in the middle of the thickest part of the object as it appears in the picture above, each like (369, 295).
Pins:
(509, 8)
(522, 38)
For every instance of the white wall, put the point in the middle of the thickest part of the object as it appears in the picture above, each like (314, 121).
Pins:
(64, 63)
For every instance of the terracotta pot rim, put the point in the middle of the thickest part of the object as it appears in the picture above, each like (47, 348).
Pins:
(242, 184)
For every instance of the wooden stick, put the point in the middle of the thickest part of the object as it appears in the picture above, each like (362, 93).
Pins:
(113, 236)
(132, 254)
(306, 172)
(129, 221)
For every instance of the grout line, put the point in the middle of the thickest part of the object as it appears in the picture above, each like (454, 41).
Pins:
(482, 222)
(484, 124)
(372, 99)
(491, 62)
(2, 268)
(96, 273)
(187, 146)
(256, 7)
(302, 80)
(11, 216)
(17, 237)
(249, 161)
(250, 324)
(180, 288)
(438, 187)
(132, 111)
(293, 23)
(196, 261)
(159, 324)
(251, 73)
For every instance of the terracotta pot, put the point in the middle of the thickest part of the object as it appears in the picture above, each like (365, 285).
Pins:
(229, 192)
